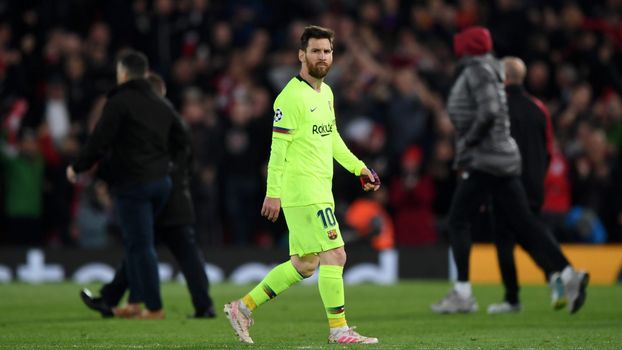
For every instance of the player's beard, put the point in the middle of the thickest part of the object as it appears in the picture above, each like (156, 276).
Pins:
(318, 71)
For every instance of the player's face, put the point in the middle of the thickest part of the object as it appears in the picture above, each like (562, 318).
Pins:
(318, 57)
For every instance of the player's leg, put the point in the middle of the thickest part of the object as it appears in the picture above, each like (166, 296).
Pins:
(468, 197)
(330, 277)
(505, 241)
(181, 241)
(536, 252)
(280, 279)
(303, 247)
(239, 312)
(330, 284)
(111, 293)
(512, 199)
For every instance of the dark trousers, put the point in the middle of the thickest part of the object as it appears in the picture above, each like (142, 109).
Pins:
(137, 207)
(509, 197)
(505, 239)
(181, 241)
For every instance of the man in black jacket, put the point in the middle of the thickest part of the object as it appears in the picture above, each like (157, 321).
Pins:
(530, 126)
(489, 161)
(138, 133)
(174, 229)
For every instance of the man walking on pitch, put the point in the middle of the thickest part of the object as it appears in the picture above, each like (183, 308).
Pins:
(173, 226)
(138, 133)
(531, 128)
(490, 164)
(300, 171)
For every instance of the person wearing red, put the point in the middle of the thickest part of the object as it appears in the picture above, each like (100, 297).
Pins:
(412, 198)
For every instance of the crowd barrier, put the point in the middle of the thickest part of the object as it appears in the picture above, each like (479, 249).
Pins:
(248, 265)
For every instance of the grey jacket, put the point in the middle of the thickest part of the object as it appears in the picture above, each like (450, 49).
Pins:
(478, 109)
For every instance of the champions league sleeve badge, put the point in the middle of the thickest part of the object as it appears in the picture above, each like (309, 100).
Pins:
(278, 115)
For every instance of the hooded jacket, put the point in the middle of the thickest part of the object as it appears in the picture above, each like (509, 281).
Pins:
(478, 109)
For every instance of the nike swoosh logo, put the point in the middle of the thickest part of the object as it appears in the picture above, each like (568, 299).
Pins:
(324, 135)
(313, 109)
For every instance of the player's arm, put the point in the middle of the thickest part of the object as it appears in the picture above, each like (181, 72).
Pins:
(272, 203)
(350, 162)
(285, 123)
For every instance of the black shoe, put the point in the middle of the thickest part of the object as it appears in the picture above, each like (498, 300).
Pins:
(96, 304)
(208, 313)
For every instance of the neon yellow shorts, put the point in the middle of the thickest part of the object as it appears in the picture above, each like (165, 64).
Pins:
(312, 229)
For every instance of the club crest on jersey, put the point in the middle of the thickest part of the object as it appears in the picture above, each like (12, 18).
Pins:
(332, 234)
(278, 115)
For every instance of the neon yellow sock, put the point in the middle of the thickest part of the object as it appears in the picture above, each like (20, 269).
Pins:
(276, 281)
(330, 283)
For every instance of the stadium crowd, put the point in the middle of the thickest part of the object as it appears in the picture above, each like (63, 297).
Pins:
(224, 61)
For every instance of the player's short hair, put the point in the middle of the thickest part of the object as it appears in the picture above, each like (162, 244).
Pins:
(315, 32)
(157, 83)
(136, 63)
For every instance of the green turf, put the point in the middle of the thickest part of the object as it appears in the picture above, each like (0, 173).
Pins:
(52, 317)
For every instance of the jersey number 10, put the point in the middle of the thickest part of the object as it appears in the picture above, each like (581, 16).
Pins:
(327, 216)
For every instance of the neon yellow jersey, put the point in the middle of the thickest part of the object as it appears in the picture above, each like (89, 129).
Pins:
(304, 142)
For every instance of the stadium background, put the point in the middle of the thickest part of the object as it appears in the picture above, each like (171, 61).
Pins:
(224, 62)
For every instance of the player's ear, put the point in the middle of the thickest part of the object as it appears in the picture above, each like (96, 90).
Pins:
(301, 55)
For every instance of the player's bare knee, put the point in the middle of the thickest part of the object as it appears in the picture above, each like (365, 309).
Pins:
(307, 270)
(307, 273)
(306, 266)
(341, 257)
(336, 256)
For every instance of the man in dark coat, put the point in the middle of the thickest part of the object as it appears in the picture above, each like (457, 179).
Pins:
(174, 229)
(138, 133)
(531, 127)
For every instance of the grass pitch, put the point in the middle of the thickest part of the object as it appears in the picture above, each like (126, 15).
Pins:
(51, 316)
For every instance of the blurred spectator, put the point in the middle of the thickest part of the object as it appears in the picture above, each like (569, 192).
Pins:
(57, 192)
(57, 115)
(199, 112)
(557, 195)
(23, 170)
(412, 198)
(94, 215)
(370, 221)
(592, 184)
(574, 113)
(444, 177)
(608, 115)
(240, 177)
(406, 114)
(79, 94)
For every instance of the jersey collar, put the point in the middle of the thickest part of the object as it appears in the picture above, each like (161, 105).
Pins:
(306, 82)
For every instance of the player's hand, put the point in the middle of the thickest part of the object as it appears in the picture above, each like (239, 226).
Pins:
(71, 175)
(369, 180)
(271, 208)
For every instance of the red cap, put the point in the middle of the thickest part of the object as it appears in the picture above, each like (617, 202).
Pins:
(472, 41)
